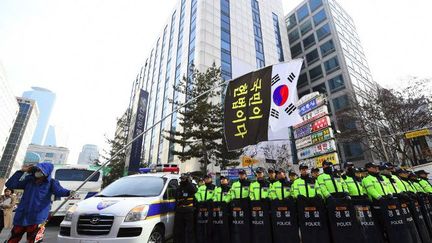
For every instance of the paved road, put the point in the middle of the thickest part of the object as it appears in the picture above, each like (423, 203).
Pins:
(50, 235)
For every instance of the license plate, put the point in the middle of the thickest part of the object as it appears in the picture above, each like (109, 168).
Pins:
(89, 241)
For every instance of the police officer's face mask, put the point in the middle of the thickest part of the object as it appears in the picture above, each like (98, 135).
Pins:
(39, 174)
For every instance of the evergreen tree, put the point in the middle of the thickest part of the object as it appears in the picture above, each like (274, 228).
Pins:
(117, 165)
(201, 135)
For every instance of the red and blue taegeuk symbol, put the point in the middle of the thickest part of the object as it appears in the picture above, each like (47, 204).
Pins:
(280, 95)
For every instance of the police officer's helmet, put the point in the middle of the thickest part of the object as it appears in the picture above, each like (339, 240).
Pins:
(184, 176)
(260, 170)
(303, 166)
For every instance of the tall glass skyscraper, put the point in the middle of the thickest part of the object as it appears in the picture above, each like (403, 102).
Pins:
(45, 101)
(324, 35)
(238, 36)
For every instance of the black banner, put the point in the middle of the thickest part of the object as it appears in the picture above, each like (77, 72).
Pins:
(247, 108)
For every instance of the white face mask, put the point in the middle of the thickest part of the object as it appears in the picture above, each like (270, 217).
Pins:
(39, 174)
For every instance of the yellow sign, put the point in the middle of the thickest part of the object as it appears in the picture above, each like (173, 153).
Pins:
(418, 133)
(248, 161)
(332, 157)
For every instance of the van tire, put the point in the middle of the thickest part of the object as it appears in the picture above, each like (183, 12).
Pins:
(157, 235)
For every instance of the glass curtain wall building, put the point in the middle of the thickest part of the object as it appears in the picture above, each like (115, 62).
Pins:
(324, 35)
(238, 36)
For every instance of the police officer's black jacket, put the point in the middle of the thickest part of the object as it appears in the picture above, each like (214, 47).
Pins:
(185, 196)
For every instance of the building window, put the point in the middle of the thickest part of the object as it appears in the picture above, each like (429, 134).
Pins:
(278, 38)
(259, 50)
(321, 88)
(327, 48)
(292, 21)
(319, 17)
(340, 102)
(323, 31)
(49, 155)
(305, 27)
(353, 150)
(226, 70)
(312, 57)
(315, 4)
(304, 93)
(302, 81)
(309, 41)
(296, 50)
(331, 65)
(293, 36)
(315, 73)
(336, 83)
(302, 13)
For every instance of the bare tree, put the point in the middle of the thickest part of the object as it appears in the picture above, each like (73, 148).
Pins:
(279, 151)
(380, 119)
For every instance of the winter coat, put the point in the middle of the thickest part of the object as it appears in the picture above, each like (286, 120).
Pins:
(35, 203)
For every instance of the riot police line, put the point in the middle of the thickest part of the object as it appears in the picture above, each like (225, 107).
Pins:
(391, 205)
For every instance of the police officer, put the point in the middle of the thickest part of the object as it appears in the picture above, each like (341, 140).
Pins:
(304, 186)
(272, 175)
(220, 210)
(354, 184)
(390, 181)
(315, 172)
(239, 208)
(374, 184)
(259, 196)
(204, 197)
(404, 183)
(280, 189)
(423, 181)
(184, 212)
(330, 183)
(292, 176)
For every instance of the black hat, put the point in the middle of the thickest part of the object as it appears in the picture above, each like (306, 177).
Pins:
(400, 171)
(281, 170)
(389, 165)
(259, 170)
(412, 174)
(184, 176)
(207, 176)
(348, 164)
(370, 165)
(419, 172)
(241, 171)
(271, 170)
(303, 166)
(327, 163)
(291, 172)
(223, 177)
(315, 169)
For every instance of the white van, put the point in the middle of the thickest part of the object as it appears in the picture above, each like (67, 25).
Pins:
(138, 208)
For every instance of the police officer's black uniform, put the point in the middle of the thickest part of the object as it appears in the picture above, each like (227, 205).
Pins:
(184, 213)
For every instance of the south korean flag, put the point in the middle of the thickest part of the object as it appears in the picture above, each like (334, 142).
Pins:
(283, 111)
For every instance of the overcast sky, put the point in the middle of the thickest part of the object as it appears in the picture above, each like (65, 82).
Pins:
(89, 51)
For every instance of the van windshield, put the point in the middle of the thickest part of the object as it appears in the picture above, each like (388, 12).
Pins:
(140, 186)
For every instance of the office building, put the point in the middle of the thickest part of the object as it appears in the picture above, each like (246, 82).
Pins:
(19, 139)
(43, 153)
(324, 35)
(8, 109)
(51, 136)
(239, 36)
(88, 155)
(45, 101)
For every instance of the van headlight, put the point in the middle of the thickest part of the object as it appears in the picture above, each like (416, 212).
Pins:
(137, 213)
(69, 213)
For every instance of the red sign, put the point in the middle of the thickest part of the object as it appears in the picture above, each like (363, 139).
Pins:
(321, 124)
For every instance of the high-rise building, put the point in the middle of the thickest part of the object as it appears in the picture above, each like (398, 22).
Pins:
(8, 109)
(43, 153)
(238, 36)
(45, 101)
(51, 138)
(324, 35)
(88, 155)
(19, 139)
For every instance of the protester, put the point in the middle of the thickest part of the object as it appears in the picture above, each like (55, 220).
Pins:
(33, 210)
(184, 211)
(7, 204)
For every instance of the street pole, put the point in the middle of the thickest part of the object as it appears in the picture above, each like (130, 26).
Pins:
(382, 144)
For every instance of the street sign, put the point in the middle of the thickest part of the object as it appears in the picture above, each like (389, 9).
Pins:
(315, 126)
(418, 133)
(311, 104)
(317, 161)
(316, 150)
(322, 135)
(313, 115)
(303, 142)
(248, 161)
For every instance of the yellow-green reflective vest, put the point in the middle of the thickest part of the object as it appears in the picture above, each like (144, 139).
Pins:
(329, 184)
(391, 186)
(259, 190)
(240, 189)
(375, 188)
(405, 185)
(301, 187)
(280, 190)
(205, 193)
(222, 194)
(425, 185)
(355, 188)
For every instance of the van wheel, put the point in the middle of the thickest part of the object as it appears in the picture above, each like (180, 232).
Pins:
(157, 235)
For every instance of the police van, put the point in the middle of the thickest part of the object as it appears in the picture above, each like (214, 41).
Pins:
(137, 208)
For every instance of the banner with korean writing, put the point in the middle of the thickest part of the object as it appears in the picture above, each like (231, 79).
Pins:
(247, 108)
(133, 159)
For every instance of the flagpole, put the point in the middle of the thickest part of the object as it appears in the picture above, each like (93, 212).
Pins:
(136, 138)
